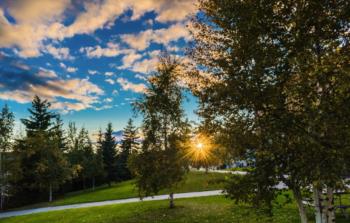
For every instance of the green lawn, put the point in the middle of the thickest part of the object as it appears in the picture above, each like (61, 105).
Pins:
(216, 209)
(194, 181)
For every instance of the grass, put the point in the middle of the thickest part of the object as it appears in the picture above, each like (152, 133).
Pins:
(192, 210)
(209, 209)
(194, 181)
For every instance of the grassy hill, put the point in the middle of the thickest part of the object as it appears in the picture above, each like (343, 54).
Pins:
(193, 181)
(208, 209)
(215, 209)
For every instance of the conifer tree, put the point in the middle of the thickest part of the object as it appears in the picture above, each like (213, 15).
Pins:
(109, 154)
(43, 164)
(128, 145)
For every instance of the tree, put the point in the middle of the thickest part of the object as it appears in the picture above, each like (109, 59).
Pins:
(109, 154)
(43, 164)
(40, 119)
(128, 145)
(6, 129)
(86, 163)
(160, 163)
(271, 78)
(59, 133)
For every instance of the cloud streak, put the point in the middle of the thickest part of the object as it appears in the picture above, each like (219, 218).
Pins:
(66, 95)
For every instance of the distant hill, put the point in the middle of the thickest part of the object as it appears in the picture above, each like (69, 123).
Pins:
(118, 135)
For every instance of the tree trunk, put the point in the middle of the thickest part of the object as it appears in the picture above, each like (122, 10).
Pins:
(1, 183)
(84, 183)
(301, 207)
(1, 200)
(330, 205)
(93, 183)
(317, 202)
(171, 203)
(50, 193)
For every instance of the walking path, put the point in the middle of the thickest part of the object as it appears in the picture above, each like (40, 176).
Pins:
(102, 203)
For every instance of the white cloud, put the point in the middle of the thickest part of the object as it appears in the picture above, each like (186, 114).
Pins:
(115, 92)
(59, 53)
(145, 66)
(98, 52)
(129, 59)
(46, 73)
(167, 10)
(109, 100)
(72, 69)
(65, 95)
(127, 85)
(68, 69)
(104, 107)
(108, 73)
(141, 77)
(110, 81)
(163, 36)
(93, 72)
(37, 21)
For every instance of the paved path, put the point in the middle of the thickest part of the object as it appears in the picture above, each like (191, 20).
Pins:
(102, 203)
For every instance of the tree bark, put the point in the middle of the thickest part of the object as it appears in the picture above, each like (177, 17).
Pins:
(317, 203)
(1, 183)
(301, 207)
(1, 200)
(50, 193)
(171, 202)
(330, 205)
(93, 183)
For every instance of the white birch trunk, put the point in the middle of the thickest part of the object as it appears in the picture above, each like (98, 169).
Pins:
(317, 203)
(93, 183)
(50, 193)
(330, 206)
(301, 207)
(171, 201)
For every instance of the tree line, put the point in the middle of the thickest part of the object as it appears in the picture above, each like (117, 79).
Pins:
(48, 158)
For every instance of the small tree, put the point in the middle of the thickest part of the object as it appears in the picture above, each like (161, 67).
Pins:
(6, 129)
(128, 145)
(160, 163)
(109, 154)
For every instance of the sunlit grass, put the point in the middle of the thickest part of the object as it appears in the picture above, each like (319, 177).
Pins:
(193, 181)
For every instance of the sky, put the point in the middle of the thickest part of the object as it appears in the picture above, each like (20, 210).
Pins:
(89, 58)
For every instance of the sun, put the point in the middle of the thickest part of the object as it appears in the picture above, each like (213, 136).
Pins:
(200, 148)
(199, 145)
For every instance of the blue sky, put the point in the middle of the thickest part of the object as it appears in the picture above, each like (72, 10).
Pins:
(89, 58)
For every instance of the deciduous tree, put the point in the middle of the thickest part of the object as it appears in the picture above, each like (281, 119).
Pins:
(160, 163)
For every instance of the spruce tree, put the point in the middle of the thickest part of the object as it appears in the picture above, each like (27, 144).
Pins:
(109, 154)
(43, 164)
(128, 145)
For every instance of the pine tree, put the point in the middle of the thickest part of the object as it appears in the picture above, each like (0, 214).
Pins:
(6, 129)
(43, 164)
(40, 119)
(129, 144)
(109, 154)
(160, 163)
